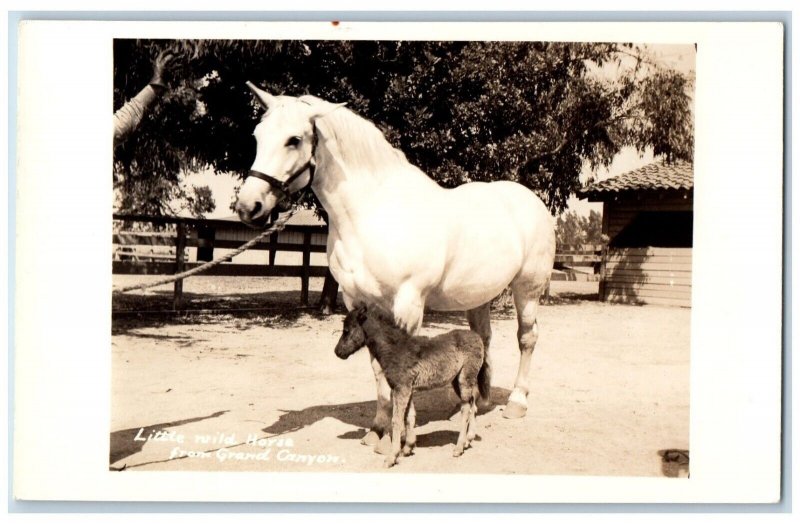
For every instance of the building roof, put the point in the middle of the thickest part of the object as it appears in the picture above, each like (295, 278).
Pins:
(656, 176)
(302, 217)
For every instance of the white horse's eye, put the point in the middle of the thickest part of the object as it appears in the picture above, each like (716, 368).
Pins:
(293, 141)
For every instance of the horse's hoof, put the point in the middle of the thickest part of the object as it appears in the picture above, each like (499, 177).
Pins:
(389, 462)
(408, 451)
(458, 452)
(514, 410)
(384, 446)
(370, 439)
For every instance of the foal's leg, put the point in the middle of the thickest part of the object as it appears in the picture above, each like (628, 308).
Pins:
(411, 437)
(400, 399)
(408, 308)
(526, 300)
(479, 322)
(472, 428)
(467, 388)
(462, 434)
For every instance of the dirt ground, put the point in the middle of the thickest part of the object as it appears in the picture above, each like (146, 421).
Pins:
(261, 390)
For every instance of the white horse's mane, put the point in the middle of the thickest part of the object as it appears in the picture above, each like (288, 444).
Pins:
(361, 145)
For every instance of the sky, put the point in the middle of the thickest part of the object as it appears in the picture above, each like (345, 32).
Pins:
(677, 56)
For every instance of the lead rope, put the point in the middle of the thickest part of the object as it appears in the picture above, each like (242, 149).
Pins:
(278, 226)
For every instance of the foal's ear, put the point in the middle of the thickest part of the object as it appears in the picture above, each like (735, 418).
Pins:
(361, 313)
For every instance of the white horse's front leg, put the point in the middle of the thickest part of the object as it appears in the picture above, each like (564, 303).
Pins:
(408, 308)
(379, 433)
(349, 302)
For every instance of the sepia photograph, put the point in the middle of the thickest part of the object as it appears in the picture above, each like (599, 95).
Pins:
(499, 233)
(337, 261)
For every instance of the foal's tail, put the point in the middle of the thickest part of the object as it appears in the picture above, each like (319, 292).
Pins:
(485, 381)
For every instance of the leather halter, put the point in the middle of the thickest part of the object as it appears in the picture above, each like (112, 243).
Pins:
(283, 185)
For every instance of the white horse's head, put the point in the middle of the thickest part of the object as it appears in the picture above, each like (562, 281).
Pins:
(285, 146)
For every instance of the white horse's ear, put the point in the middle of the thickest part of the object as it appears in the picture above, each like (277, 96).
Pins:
(265, 98)
(321, 110)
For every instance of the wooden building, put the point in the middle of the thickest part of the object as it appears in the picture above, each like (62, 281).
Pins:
(217, 237)
(647, 217)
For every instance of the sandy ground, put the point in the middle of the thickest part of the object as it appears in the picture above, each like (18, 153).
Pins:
(263, 391)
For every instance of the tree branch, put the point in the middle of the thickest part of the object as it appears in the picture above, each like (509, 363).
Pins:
(553, 152)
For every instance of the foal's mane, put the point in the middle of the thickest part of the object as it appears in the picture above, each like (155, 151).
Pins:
(361, 145)
(387, 321)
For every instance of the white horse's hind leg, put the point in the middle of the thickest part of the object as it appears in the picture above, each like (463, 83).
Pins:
(479, 322)
(526, 301)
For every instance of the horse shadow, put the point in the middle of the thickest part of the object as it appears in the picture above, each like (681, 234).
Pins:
(155, 310)
(123, 443)
(430, 406)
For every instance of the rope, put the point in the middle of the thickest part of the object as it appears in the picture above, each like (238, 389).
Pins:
(278, 226)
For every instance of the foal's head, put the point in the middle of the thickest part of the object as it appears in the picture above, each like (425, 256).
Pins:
(353, 337)
(366, 322)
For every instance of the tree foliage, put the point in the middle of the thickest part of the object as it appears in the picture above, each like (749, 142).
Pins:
(533, 112)
(574, 230)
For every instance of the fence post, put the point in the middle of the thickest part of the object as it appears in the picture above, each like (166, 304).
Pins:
(273, 247)
(306, 268)
(601, 288)
(273, 238)
(180, 247)
(205, 243)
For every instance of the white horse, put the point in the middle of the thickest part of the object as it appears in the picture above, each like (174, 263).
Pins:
(398, 239)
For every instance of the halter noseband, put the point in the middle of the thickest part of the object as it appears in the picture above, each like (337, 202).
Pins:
(283, 186)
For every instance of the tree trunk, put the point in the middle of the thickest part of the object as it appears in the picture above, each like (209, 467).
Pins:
(330, 290)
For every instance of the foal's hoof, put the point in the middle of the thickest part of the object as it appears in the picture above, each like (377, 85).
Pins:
(384, 446)
(370, 439)
(389, 462)
(408, 450)
(484, 404)
(458, 451)
(514, 410)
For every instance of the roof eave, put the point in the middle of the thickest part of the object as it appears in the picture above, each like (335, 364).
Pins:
(609, 194)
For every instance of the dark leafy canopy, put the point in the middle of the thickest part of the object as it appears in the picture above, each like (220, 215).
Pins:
(462, 111)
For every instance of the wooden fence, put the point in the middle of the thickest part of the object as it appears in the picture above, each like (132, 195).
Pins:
(587, 256)
(167, 251)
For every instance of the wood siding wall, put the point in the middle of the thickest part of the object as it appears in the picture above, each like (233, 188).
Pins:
(646, 275)
(650, 275)
(284, 237)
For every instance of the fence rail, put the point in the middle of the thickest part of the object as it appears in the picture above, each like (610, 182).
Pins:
(201, 234)
(589, 255)
(168, 251)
